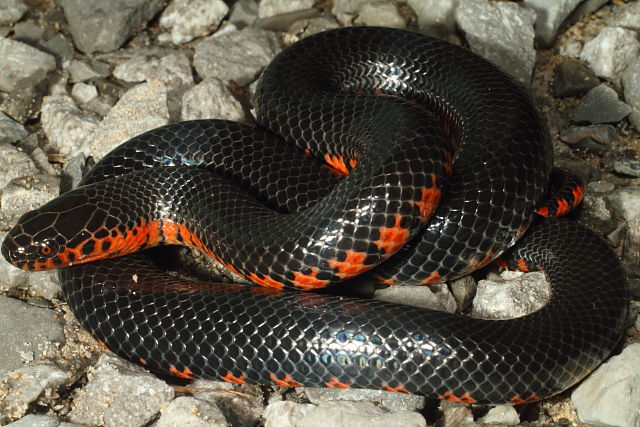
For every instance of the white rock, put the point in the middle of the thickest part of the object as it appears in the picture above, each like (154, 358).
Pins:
(66, 126)
(285, 413)
(611, 51)
(609, 396)
(381, 13)
(22, 64)
(11, 11)
(83, 92)
(501, 414)
(211, 99)
(499, 299)
(189, 19)
(436, 297)
(189, 411)
(141, 108)
(278, 7)
(173, 69)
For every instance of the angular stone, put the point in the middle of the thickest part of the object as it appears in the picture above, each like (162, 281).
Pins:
(189, 19)
(22, 65)
(571, 78)
(611, 51)
(600, 105)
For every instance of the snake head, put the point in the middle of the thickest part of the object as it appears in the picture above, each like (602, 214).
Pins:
(44, 238)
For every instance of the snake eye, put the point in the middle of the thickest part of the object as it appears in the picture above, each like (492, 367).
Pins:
(48, 248)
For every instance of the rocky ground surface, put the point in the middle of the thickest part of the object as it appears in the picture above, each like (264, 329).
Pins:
(78, 77)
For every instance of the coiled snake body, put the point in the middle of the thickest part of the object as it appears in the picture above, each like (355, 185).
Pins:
(447, 159)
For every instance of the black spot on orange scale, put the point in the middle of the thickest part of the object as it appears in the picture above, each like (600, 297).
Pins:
(349, 264)
(392, 238)
(184, 373)
(397, 389)
(88, 247)
(287, 381)
(335, 383)
(517, 400)
(451, 397)
(266, 281)
(230, 378)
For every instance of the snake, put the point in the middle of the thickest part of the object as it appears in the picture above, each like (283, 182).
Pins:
(377, 152)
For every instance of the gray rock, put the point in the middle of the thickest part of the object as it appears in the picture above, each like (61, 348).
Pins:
(456, 415)
(609, 396)
(22, 65)
(627, 16)
(28, 32)
(572, 78)
(66, 126)
(268, 8)
(463, 290)
(141, 108)
(436, 297)
(211, 99)
(87, 70)
(628, 166)
(285, 413)
(14, 164)
(596, 208)
(60, 47)
(100, 105)
(241, 405)
(358, 414)
(45, 283)
(611, 51)
(23, 103)
(27, 332)
(10, 131)
(631, 86)
(287, 20)
(27, 193)
(174, 69)
(12, 277)
(385, 399)
(380, 13)
(501, 415)
(189, 19)
(501, 32)
(305, 27)
(119, 393)
(238, 55)
(512, 296)
(33, 420)
(243, 13)
(99, 26)
(600, 105)
(186, 410)
(626, 203)
(11, 11)
(550, 15)
(28, 384)
(435, 17)
(604, 134)
(83, 92)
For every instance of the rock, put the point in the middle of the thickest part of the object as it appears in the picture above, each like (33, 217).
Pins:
(627, 166)
(241, 405)
(83, 92)
(456, 415)
(211, 99)
(435, 17)
(611, 51)
(437, 297)
(33, 420)
(10, 131)
(87, 70)
(14, 164)
(60, 47)
(305, 27)
(141, 108)
(609, 396)
(631, 86)
(501, 32)
(627, 16)
(286, 21)
(11, 11)
(27, 332)
(600, 105)
(45, 283)
(358, 414)
(186, 410)
(501, 415)
(380, 13)
(66, 126)
(385, 399)
(285, 413)
(512, 296)
(28, 32)
(28, 384)
(27, 193)
(174, 69)
(268, 8)
(243, 13)
(571, 78)
(22, 65)
(119, 393)
(604, 134)
(239, 55)
(189, 19)
(596, 209)
(550, 16)
(97, 26)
